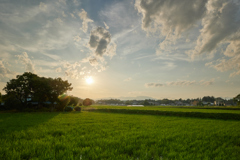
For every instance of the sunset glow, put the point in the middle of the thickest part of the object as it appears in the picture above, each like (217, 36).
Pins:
(89, 80)
(137, 49)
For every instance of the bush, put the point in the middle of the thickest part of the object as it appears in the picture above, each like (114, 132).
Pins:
(87, 102)
(77, 108)
(68, 109)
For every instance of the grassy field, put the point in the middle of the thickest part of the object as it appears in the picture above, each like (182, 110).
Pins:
(109, 132)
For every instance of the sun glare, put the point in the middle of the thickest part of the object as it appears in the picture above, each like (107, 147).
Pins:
(89, 80)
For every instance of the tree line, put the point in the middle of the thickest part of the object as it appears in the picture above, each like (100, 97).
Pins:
(30, 92)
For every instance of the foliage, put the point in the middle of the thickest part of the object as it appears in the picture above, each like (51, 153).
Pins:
(119, 136)
(11, 102)
(237, 99)
(87, 102)
(208, 99)
(146, 103)
(77, 108)
(68, 109)
(75, 101)
(63, 103)
(39, 89)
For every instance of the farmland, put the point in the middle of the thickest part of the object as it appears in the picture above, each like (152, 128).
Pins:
(110, 132)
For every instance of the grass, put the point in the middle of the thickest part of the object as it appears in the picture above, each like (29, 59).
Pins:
(121, 133)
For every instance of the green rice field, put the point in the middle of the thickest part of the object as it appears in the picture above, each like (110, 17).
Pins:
(119, 133)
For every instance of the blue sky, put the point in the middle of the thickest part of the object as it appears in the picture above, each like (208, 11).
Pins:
(131, 49)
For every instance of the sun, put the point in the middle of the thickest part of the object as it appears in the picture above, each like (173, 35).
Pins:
(89, 80)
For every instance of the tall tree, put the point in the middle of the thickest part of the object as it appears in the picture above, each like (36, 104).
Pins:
(21, 87)
(37, 88)
(237, 99)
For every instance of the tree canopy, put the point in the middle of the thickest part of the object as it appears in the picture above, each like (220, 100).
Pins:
(40, 89)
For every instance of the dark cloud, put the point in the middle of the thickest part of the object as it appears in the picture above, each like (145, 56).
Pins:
(99, 41)
(148, 85)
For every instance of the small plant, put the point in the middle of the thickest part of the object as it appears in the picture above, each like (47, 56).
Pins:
(77, 108)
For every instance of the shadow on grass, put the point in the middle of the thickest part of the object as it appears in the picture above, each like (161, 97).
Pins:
(220, 116)
(10, 122)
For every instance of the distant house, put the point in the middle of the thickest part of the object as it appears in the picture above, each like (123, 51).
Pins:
(179, 103)
(219, 102)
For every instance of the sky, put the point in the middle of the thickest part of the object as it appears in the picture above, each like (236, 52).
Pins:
(131, 49)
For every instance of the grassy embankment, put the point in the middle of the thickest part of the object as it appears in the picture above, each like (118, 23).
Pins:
(122, 133)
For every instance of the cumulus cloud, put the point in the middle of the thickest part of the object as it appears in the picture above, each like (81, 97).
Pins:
(170, 16)
(100, 42)
(219, 25)
(218, 19)
(71, 70)
(29, 66)
(149, 85)
(223, 65)
(181, 83)
(85, 20)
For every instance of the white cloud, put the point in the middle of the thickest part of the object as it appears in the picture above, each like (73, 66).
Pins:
(85, 20)
(170, 17)
(106, 26)
(219, 25)
(223, 65)
(71, 70)
(29, 66)
(216, 21)
(4, 71)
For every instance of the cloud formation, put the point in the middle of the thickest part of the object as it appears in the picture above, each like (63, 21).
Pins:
(207, 83)
(29, 66)
(172, 17)
(181, 83)
(85, 20)
(100, 42)
(149, 85)
(218, 19)
(5, 73)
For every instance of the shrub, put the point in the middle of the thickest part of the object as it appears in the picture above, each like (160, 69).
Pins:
(77, 108)
(68, 109)
(87, 102)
